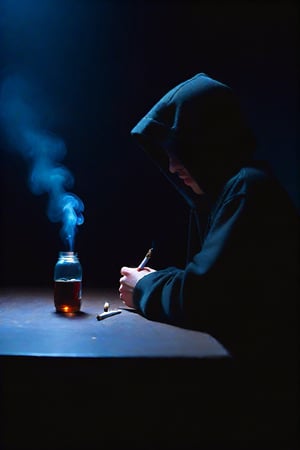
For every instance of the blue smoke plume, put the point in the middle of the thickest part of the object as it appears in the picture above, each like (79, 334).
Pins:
(21, 122)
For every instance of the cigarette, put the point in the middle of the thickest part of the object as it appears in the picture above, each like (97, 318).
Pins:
(146, 259)
(106, 314)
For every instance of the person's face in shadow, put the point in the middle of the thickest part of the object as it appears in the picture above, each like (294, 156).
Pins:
(177, 168)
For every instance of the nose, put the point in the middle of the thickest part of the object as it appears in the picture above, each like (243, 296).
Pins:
(174, 164)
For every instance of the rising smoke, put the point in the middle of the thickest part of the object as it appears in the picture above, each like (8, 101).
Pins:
(21, 123)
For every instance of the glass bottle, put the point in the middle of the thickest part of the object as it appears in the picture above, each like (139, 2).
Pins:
(67, 283)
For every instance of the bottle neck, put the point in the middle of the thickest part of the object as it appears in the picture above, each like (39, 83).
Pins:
(68, 256)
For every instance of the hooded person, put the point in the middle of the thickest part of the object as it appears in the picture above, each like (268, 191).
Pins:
(240, 278)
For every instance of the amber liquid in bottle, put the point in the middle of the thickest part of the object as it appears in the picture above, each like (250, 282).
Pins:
(67, 296)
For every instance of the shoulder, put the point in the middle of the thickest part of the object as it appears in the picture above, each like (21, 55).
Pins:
(253, 188)
(251, 180)
(259, 190)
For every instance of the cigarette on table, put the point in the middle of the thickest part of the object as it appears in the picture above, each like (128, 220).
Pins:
(106, 314)
(146, 259)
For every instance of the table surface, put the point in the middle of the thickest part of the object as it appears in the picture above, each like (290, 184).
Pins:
(30, 326)
(145, 380)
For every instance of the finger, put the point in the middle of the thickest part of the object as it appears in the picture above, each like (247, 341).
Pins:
(124, 288)
(125, 270)
(122, 292)
(124, 297)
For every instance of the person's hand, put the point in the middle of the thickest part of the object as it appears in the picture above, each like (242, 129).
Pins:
(130, 277)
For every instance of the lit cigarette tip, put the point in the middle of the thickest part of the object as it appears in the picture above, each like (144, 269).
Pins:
(149, 253)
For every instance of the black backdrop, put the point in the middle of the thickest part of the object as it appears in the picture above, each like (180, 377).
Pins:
(99, 66)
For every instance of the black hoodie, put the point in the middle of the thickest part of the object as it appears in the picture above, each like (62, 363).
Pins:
(239, 284)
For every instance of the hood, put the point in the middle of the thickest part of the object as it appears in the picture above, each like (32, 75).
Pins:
(201, 122)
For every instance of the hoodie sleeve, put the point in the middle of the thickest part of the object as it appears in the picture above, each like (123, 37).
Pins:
(207, 284)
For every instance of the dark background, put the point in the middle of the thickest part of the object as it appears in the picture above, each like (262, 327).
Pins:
(99, 66)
